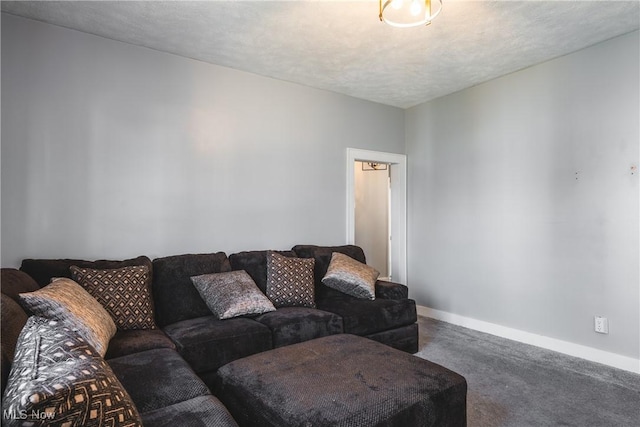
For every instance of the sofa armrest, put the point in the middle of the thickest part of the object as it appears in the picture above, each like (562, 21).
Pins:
(391, 290)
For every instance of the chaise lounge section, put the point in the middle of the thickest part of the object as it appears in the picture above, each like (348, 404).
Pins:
(390, 318)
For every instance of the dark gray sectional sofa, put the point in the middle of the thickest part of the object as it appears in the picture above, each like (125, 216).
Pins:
(169, 371)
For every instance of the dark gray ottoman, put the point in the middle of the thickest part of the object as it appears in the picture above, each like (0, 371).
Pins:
(341, 380)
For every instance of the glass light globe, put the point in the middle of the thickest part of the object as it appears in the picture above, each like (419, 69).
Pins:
(416, 7)
(396, 4)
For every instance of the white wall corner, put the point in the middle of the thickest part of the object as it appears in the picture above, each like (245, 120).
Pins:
(576, 350)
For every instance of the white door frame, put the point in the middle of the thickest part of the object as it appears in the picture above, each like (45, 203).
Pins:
(398, 205)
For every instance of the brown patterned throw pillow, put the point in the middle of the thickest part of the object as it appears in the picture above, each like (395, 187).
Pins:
(290, 281)
(66, 301)
(231, 294)
(58, 379)
(351, 277)
(124, 292)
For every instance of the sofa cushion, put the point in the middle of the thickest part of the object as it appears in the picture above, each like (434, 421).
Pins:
(175, 296)
(322, 256)
(290, 325)
(15, 282)
(391, 290)
(255, 264)
(57, 375)
(200, 411)
(290, 281)
(43, 270)
(231, 294)
(13, 320)
(13, 316)
(157, 378)
(364, 317)
(137, 340)
(351, 277)
(208, 343)
(66, 301)
(124, 292)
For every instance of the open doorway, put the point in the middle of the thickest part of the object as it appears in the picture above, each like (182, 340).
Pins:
(397, 167)
(372, 186)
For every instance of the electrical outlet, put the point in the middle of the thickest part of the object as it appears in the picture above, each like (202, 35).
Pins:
(601, 325)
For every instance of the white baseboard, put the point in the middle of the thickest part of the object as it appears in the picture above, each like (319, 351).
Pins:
(589, 353)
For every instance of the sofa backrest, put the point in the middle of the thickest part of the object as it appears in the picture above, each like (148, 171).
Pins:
(174, 295)
(255, 264)
(42, 270)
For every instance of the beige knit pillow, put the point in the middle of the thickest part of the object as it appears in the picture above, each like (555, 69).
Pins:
(66, 301)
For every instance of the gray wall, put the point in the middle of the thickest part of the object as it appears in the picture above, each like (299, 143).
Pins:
(112, 150)
(523, 201)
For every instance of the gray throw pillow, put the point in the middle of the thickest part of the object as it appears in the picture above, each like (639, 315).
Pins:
(290, 281)
(65, 300)
(351, 277)
(57, 378)
(231, 294)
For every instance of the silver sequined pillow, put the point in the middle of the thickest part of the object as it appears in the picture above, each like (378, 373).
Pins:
(67, 301)
(351, 277)
(231, 294)
(58, 379)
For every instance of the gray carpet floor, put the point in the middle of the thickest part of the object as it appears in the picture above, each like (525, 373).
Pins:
(515, 384)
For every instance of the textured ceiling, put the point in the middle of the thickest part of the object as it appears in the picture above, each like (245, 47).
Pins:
(341, 46)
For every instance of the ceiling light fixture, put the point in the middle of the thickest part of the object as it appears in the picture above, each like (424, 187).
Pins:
(409, 13)
(373, 166)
